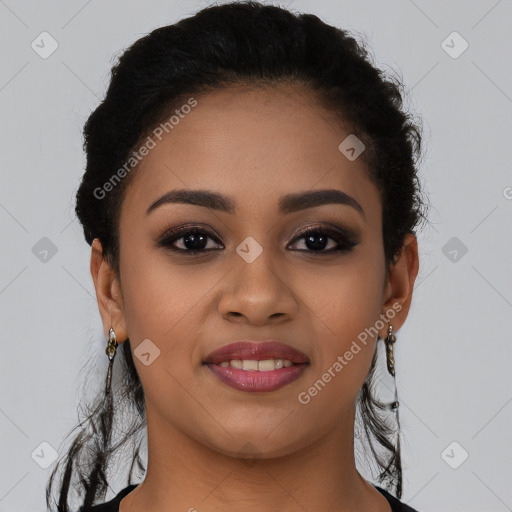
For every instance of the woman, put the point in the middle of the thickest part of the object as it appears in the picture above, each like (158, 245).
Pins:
(251, 199)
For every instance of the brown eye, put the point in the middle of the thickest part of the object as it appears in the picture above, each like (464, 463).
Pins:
(316, 240)
(193, 240)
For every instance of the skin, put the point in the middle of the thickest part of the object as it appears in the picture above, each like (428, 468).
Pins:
(253, 146)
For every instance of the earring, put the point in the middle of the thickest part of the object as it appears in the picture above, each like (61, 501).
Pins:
(390, 362)
(111, 352)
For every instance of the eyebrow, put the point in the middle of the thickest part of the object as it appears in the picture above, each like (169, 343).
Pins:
(287, 204)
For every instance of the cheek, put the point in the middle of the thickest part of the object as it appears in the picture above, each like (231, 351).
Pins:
(349, 299)
(165, 303)
(161, 303)
(343, 363)
(349, 309)
(159, 295)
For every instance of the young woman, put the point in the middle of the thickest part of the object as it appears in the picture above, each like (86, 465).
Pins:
(251, 198)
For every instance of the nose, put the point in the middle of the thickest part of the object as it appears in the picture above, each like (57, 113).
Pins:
(257, 293)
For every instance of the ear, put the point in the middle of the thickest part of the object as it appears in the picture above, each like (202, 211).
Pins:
(108, 293)
(400, 284)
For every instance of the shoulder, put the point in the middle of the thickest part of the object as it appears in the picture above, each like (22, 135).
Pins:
(396, 505)
(113, 504)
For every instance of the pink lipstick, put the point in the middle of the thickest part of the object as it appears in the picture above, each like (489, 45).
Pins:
(257, 366)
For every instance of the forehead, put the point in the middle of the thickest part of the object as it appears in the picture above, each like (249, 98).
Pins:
(252, 144)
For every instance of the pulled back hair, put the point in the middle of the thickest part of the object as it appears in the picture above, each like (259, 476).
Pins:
(240, 43)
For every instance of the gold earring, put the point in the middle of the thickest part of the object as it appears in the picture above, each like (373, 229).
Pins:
(111, 352)
(390, 362)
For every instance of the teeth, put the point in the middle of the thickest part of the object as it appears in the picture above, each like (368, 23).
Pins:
(249, 364)
(265, 365)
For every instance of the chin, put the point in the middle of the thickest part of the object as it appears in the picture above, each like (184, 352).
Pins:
(251, 446)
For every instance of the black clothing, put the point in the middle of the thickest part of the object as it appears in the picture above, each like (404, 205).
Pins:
(113, 504)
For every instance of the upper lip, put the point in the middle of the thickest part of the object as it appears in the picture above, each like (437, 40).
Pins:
(256, 350)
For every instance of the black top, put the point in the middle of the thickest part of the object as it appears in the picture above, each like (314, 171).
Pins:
(113, 504)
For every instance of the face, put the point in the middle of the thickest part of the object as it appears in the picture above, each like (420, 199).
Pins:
(194, 278)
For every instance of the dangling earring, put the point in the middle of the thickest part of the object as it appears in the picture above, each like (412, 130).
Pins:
(111, 352)
(390, 362)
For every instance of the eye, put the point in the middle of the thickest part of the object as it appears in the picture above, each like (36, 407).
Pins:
(317, 240)
(191, 240)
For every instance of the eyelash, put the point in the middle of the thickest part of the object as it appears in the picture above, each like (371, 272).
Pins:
(346, 240)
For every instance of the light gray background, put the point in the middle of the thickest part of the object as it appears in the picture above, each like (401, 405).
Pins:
(454, 353)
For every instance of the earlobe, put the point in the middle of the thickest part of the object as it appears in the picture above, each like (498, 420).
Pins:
(400, 283)
(108, 292)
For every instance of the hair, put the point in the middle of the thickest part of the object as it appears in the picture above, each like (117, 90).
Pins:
(239, 43)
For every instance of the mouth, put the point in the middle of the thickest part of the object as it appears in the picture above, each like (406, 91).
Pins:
(257, 366)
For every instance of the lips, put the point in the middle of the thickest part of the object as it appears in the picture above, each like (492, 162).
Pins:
(258, 351)
(257, 380)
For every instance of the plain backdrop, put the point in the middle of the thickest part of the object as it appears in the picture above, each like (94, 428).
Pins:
(453, 355)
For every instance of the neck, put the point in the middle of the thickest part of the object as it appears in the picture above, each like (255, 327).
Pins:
(183, 474)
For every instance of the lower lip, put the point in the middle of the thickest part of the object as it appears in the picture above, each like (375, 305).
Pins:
(255, 380)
